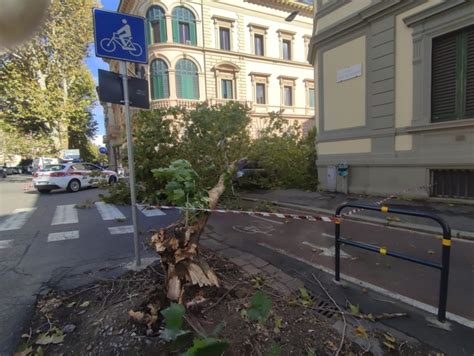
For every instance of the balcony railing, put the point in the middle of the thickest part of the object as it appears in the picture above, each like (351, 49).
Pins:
(254, 108)
(166, 103)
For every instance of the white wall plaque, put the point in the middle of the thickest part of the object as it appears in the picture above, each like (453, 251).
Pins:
(350, 72)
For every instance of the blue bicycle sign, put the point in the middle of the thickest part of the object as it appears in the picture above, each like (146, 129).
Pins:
(120, 36)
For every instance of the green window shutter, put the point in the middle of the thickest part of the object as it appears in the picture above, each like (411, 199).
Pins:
(148, 32)
(175, 25)
(444, 70)
(187, 80)
(192, 33)
(163, 34)
(469, 98)
(157, 87)
(159, 79)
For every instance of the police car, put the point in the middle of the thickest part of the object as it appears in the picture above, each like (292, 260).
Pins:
(71, 176)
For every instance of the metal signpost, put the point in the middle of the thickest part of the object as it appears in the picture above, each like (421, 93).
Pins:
(122, 37)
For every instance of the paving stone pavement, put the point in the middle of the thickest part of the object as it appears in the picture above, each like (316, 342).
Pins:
(252, 265)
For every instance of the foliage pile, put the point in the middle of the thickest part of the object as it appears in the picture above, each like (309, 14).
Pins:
(211, 138)
(47, 93)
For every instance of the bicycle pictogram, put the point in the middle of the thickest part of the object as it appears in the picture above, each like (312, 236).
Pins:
(123, 38)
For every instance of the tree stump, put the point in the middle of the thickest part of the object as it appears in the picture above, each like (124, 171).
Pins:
(178, 247)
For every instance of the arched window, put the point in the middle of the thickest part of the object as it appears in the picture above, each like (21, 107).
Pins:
(155, 25)
(159, 80)
(187, 81)
(184, 26)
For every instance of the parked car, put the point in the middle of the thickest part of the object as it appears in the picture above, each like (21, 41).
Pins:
(9, 170)
(71, 176)
(248, 173)
(25, 166)
(41, 162)
(3, 173)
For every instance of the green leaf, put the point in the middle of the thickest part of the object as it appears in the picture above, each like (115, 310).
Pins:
(275, 350)
(173, 316)
(208, 346)
(218, 329)
(260, 307)
(171, 335)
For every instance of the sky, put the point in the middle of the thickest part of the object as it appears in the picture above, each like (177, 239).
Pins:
(94, 64)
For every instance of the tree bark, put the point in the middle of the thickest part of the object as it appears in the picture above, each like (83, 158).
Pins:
(178, 247)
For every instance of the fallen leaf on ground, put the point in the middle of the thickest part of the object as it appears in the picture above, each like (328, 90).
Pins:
(360, 330)
(331, 346)
(355, 309)
(25, 352)
(45, 339)
(278, 320)
(390, 346)
(70, 305)
(389, 337)
(137, 316)
(85, 304)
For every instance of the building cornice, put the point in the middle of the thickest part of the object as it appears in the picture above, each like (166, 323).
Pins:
(285, 5)
(239, 55)
(359, 20)
(259, 74)
(415, 19)
(286, 77)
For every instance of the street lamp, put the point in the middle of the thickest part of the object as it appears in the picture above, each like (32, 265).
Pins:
(292, 16)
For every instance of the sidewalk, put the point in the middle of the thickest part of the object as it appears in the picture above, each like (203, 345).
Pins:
(459, 216)
(287, 275)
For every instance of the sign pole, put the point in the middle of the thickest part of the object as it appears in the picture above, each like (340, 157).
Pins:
(131, 168)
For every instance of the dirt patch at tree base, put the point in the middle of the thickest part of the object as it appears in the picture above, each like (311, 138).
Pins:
(94, 319)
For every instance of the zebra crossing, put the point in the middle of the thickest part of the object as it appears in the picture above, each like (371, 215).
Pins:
(69, 215)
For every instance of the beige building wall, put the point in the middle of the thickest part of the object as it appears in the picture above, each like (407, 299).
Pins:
(344, 100)
(240, 63)
(380, 122)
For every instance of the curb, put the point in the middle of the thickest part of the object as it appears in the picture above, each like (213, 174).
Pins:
(464, 235)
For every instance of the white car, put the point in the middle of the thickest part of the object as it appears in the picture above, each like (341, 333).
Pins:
(71, 176)
(41, 162)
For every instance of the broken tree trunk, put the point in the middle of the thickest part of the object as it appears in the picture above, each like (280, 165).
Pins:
(178, 247)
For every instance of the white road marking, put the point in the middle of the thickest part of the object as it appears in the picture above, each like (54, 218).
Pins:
(269, 220)
(412, 302)
(117, 230)
(17, 219)
(65, 235)
(6, 244)
(65, 214)
(150, 212)
(327, 235)
(109, 211)
(325, 251)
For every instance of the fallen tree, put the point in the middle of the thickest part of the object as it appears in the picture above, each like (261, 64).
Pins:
(178, 244)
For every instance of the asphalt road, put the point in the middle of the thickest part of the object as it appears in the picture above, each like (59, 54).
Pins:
(313, 243)
(45, 238)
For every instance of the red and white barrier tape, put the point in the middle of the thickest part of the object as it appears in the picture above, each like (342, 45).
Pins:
(380, 202)
(328, 219)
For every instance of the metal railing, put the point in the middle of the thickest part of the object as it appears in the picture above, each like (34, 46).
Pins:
(446, 243)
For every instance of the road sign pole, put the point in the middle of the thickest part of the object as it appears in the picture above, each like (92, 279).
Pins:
(131, 167)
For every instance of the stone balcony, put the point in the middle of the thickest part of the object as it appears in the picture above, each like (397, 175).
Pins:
(190, 104)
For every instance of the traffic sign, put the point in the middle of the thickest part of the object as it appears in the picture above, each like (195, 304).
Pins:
(103, 150)
(120, 36)
(111, 90)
